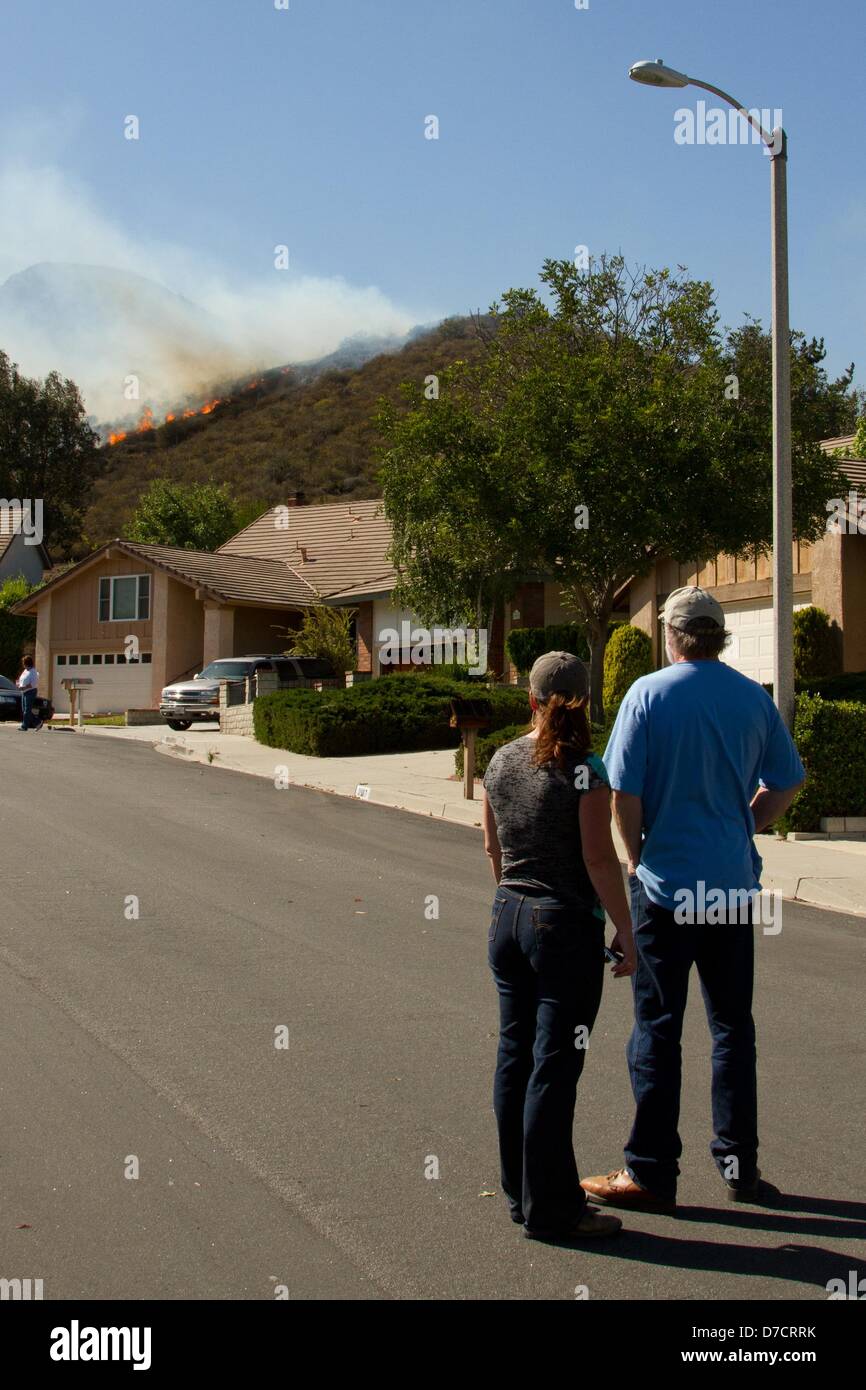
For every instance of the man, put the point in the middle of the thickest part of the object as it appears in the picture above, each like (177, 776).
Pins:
(28, 683)
(699, 760)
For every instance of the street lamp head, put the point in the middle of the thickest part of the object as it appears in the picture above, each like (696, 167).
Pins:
(657, 75)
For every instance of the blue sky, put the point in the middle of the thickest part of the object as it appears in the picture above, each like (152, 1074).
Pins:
(306, 127)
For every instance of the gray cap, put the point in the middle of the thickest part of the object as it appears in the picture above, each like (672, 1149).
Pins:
(558, 672)
(690, 602)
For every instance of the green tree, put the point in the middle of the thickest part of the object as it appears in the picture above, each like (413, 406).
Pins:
(194, 516)
(48, 451)
(598, 432)
(817, 644)
(16, 634)
(325, 633)
(628, 656)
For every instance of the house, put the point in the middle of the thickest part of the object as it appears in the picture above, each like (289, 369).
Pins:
(134, 617)
(19, 555)
(131, 618)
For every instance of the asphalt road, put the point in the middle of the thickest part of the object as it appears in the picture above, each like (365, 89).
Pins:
(151, 1042)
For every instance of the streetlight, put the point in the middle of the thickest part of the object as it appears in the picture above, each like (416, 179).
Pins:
(658, 75)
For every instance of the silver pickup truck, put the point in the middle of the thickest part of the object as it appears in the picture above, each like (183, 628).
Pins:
(198, 700)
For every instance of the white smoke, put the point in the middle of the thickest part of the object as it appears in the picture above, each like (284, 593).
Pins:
(78, 315)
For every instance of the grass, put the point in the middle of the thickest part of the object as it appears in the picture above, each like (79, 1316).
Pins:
(115, 720)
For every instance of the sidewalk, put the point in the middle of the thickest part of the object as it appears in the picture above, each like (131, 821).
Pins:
(830, 874)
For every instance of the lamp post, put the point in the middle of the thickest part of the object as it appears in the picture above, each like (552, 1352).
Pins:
(658, 75)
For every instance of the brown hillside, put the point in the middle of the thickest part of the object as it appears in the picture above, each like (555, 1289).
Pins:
(284, 435)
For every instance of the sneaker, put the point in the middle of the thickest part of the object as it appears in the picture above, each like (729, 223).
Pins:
(590, 1225)
(619, 1189)
(39, 726)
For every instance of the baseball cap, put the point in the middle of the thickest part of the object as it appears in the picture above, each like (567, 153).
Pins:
(558, 673)
(691, 602)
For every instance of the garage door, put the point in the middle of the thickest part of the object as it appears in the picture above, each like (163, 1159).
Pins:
(751, 648)
(115, 688)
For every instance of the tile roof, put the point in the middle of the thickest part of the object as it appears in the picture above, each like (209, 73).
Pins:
(339, 548)
(237, 578)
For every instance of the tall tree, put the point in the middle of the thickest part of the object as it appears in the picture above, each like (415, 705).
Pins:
(48, 451)
(600, 431)
(194, 516)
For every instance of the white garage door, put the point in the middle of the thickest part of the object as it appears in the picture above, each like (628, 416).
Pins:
(114, 689)
(751, 648)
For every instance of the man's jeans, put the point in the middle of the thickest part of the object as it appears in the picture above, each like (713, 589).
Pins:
(28, 719)
(548, 963)
(724, 956)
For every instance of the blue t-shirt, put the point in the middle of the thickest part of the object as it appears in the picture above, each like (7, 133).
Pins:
(694, 741)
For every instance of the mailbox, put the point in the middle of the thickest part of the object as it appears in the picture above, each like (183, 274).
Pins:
(469, 716)
(73, 684)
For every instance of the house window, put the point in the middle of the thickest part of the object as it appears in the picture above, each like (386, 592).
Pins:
(61, 661)
(124, 598)
(96, 659)
(109, 658)
(85, 660)
(147, 658)
(72, 660)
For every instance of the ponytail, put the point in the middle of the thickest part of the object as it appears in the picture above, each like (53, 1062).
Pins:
(563, 727)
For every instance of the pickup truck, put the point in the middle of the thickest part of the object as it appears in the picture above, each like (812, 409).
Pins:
(198, 700)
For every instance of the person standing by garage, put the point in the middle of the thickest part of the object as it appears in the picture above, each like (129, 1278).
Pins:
(28, 684)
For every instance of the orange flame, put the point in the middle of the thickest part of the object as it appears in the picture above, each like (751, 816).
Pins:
(116, 438)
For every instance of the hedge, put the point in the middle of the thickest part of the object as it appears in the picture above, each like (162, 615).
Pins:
(524, 645)
(831, 739)
(627, 656)
(394, 714)
(851, 686)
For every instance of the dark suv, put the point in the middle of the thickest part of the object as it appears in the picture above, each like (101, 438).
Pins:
(198, 700)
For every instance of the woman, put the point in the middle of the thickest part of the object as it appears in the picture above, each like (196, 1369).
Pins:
(546, 823)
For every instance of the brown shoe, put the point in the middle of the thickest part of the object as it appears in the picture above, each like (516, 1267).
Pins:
(590, 1225)
(619, 1189)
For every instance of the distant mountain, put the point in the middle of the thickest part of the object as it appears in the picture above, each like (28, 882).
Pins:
(306, 429)
(99, 325)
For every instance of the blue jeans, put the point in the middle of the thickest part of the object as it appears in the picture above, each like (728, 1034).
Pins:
(28, 718)
(548, 963)
(724, 957)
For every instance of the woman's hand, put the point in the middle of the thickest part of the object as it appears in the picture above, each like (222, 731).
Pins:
(623, 942)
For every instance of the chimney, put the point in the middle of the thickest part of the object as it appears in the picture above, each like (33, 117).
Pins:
(297, 499)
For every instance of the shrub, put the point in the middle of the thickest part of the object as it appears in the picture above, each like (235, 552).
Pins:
(850, 686)
(394, 714)
(325, 633)
(628, 656)
(831, 740)
(16, 634)
(817, 644)
(524, 645)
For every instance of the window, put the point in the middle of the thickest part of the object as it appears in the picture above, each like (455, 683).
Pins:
(109, 658)
(120, 659)
(147, 658)
(124, 598)
(72, 660)
(85, 660)
(61, 661)
(96, 659)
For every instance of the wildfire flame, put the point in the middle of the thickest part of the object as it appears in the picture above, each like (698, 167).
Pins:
(147, 421)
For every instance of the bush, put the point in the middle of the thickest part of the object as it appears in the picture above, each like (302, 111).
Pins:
(817, 644)
(394, 714)
(16, 634)
(628, 655)
(851, 686)
(524, 645)
(831, 739)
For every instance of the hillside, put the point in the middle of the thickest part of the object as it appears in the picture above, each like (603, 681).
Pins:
(290, 430)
